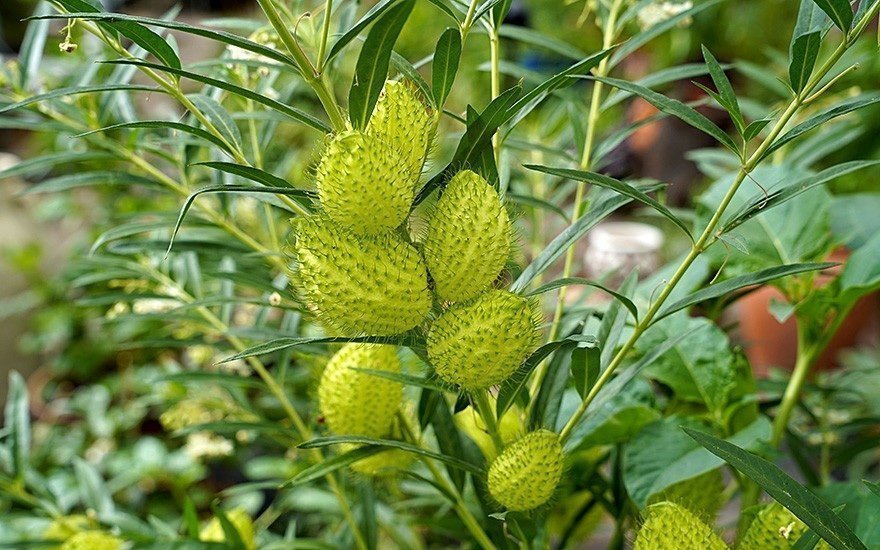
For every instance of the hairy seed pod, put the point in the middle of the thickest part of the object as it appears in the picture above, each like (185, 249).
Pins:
(774, 528)
(244, 525)
(482, 342)
(525, 475)
(92, 540)
(358, 403)
(701, 494)
(374, 285)
(669, 526)
(468, 239)
(363, 184)
(403, 121)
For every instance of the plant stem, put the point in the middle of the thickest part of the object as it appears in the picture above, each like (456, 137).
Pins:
(608, 33)
(325, 34)
(460, 506)
(468, 20)
(308, 71)
(495, 81)
(487, 412)
(706, 238)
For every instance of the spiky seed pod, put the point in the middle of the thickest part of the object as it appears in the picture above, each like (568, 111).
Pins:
(363, 184)
(670, 526)
(213, 531)
(468, 239)
(374, 285)
(358, 403)
(403, 121)
(774, 528)
(92, 540)
(480, 343)
(526, 473)
(701, 494)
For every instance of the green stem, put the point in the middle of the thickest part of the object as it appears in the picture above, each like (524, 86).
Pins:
(459, 504)
(468, 20)
(325, 34)
(308, 71)
(487, 412)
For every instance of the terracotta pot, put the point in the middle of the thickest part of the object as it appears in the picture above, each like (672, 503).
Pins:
(769, 343)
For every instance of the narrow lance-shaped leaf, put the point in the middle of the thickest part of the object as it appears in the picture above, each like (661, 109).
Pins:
(31, 51)
(805, 42)
(162, 124)
(723, 288)
(802, 502)
(18, 424)
(840, 11)
(374, 13)
(608, 182)
(446, 58)
(725, 90)
(568, 281)
(373, 61)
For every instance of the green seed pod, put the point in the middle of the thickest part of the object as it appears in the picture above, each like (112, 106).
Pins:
(526, 473)
(357, 403)
(363, 184)
(375, 285)
(64, 527)
(701, 494)
(672, 527)
(468, 239)
(92, 540)
(213, 531)
(774, 528)
(402, 120)
(482, 342)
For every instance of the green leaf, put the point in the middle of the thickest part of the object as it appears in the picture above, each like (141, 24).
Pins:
(390, 444)
(804, 52)
(725, 90)
(567, 281)
(754, 128)
(541, 40)
(164, 124)
(231, 536)
(78, 90)
(615, 185)
(861, 274)
(280, 344)
(839, 11)
(585, 365)
(614, 319)
(17, 425)
(32, 45)
(536, 202)
(446, 58)
(622, 418)
(140, 35)
(675, 108)
(799, 500)
(659, 78)
(442, 6)
(190, 518)
(88, 179)
(291, 112)
(42, 163)
(724, 288)
(374, 13)
(93, 491)
(253, 174)
(372, 64)
(220, 118)
(821, 118)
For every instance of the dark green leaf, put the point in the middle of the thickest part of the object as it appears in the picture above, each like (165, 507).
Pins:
(675, 108)
(585, 365)
(446, 57)
(804, 51)
(839, 11)
(614, 319)
(725, 90)
(442, 6)
(799, 500)
(88, 179)
(755, 128)
(42, 163)
(559, 283)
(31, 50)
(362, 23)
(77, 90)
(373, 61)
(536, 202)
(17, 425)
(165, 124)
(723, 288)
(220, 119)
(541, 40)
(615, 185)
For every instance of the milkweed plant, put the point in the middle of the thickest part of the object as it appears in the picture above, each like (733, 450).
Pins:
(353, 275)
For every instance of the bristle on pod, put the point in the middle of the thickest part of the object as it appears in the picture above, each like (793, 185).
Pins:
(469, 238)
(774, 528)
(403, 121)
(480, 343)
(353, 402)
(526, 473)
(669, 526)
(701, 494)
(364, 184)
(373, 285)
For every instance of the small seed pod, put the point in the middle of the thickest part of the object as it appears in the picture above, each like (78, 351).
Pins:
(213, 531)
(701, 495)
(358, 403)
(469, 238)
(671, 527)
(403, 121)
(374, 285)
(363, 184)
(92, 540)
(482, 342)
(526, 473)
(774, 528)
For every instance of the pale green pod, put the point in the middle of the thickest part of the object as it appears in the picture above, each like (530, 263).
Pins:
(92, 540)
(363, 184)
(357, 403)
(403, 121)
(526, 473)
(701, 494)
(372, 285)
(774, 528)
(469, 238)
(480, 343)
(669, 526)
